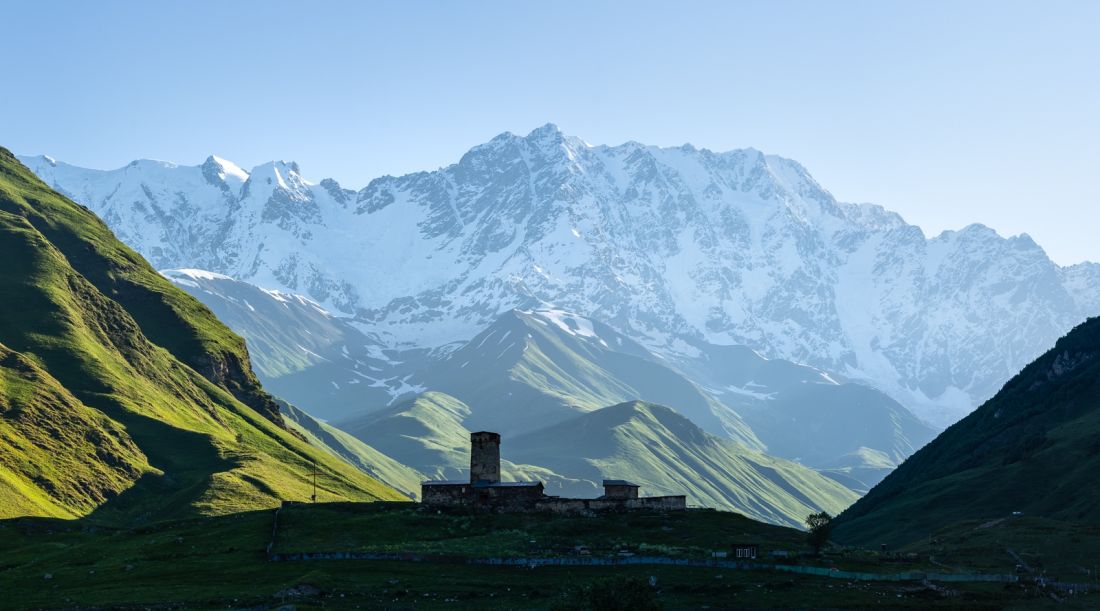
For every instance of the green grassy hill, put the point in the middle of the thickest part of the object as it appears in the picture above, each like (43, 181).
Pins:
(1033, 448)
(91, 458)
(123, 397)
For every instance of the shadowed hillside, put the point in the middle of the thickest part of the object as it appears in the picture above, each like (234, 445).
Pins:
(1033, 448)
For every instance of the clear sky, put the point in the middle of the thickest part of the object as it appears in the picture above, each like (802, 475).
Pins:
(947, 112)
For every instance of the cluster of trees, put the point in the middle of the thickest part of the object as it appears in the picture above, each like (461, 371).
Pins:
(821, 526)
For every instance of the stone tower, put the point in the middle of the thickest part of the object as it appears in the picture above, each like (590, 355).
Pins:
(485, 457)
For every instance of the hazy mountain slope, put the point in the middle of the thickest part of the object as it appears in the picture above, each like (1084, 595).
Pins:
(1034, 447)
(805, 413)
(381, 467)
(834, 419)
(534, 367)
(664, 452)
(663, 244)
(425, 433)
(96, 339)
(302, 352)
(849, 431)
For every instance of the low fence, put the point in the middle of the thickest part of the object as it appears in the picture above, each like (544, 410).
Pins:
(905, 576)
(1069, 588)
(645, 560)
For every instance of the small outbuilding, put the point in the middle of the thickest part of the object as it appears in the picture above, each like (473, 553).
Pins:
(745, 551)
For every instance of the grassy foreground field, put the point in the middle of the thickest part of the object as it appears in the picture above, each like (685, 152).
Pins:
(393, 527)
(220, 562)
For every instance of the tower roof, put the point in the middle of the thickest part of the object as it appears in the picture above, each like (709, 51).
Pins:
(619, 482)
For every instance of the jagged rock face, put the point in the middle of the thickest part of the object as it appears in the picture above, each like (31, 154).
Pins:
(666, 245)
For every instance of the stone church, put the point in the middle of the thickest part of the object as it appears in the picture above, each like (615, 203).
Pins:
(486, 491)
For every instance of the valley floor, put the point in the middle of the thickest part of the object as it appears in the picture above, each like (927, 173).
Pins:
(222, 563)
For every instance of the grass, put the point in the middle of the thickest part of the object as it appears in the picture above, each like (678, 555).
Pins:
(218, 562)
(1059, 550)
(386, 528)
(90, 458)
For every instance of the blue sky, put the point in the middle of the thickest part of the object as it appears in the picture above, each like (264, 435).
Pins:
(947, 112)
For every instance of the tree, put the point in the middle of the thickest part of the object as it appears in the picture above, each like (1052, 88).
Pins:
(821, 526)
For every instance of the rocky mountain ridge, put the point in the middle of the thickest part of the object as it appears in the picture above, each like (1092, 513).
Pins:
(666, 245)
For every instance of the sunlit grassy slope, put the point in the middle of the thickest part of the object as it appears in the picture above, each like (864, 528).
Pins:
(122, 396)
(91, 458)
(1033, 448)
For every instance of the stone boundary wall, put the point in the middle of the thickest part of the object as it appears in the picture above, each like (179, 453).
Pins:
(659, 503)
(646, 560)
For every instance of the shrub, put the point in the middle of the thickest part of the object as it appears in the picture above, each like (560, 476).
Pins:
(616, 594)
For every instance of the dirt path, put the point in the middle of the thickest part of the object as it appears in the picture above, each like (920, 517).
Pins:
(1019, 560)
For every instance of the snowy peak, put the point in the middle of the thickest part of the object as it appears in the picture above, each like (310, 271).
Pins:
(278, 175)
(547, 132)
(283, 198)
(221, 171)
(552, 140)
(875, 218)
(35, 160)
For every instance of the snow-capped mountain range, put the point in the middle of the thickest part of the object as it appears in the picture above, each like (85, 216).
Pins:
(669, 246)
